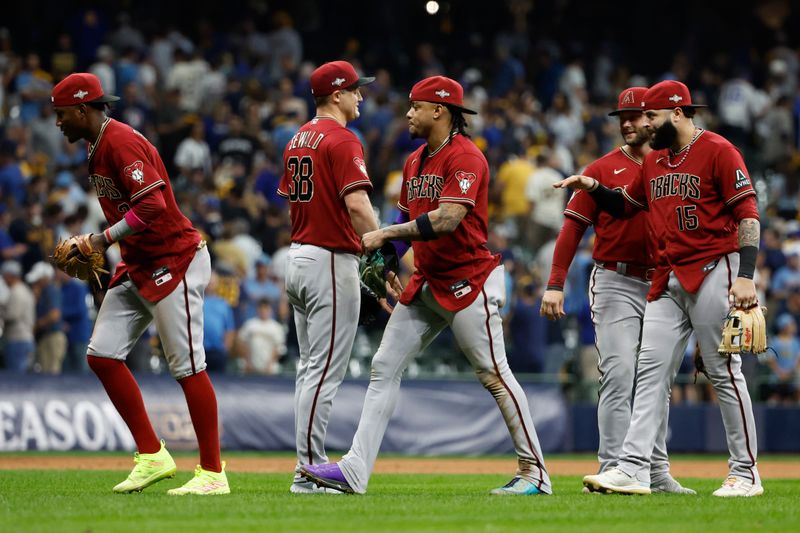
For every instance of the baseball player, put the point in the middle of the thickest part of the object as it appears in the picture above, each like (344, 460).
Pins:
(457, 283)
(704, 217)
(617, 289)
(164, 270)
(325, 180)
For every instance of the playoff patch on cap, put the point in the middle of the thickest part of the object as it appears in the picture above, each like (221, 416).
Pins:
(440, 90)
(668, 94)
(335, 76)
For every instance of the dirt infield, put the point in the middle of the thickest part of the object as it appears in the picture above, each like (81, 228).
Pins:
(769, 469)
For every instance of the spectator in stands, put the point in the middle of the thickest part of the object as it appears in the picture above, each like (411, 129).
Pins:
(193, 152)
(546, 209)
(33, 85)
(12, 181)
(787, 277)
(9, 249)
(19, 317)
(784, 362)
(51, 342)
(528, 330)
(262, 341)
(264, 285)
(76, 323)
(219, 328)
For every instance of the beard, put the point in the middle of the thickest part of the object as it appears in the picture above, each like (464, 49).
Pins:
(664, 137)
(642, 136)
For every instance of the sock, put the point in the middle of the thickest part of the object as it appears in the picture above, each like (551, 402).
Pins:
(124, 393)
(202, 402)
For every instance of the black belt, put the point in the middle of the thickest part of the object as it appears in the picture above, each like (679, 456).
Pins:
(626, 269)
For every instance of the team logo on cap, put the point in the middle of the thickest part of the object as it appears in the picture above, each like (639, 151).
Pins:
(361, 165)
(442, 94)
(465, 180)
(628, 98)
(675, 98)
(338, 82)
(80, 94)
(135, 171)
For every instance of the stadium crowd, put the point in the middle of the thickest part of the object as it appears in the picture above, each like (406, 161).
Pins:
(220, 107)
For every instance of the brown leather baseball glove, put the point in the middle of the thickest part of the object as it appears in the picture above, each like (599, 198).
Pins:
(79, 259)
(744, 331)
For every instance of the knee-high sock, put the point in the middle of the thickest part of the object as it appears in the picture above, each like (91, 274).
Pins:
(202, 402)
(124, 393)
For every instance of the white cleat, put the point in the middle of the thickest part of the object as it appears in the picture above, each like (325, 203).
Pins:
(309, 487)
(669, 485)
(615, 481)
(736, 487)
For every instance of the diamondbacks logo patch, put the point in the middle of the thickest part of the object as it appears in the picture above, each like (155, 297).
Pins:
(628, 98)
(135, 171)
(361, 165)
(741, 179)
(465, 180)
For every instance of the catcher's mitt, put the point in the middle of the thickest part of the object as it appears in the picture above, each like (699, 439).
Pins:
(79, 259)
(744, 331)
(374, 267)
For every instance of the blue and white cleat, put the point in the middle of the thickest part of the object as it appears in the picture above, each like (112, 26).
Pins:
(517, 487)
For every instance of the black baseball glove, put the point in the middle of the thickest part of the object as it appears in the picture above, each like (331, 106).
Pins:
(372, 271)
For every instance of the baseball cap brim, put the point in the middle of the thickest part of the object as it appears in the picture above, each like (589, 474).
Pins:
(463, 109)
(362, 81)
(623, 109)
(648, 108)
(106, 99)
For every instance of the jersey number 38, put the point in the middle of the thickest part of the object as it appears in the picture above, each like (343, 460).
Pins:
(301, 188)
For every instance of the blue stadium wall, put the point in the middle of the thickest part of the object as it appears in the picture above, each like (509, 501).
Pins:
(432, 418)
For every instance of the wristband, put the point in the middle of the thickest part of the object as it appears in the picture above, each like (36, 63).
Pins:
(554, 288)
(107, 235)
(747, 261)
(425, 227)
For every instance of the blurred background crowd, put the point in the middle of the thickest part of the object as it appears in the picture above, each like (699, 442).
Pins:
(220, 92)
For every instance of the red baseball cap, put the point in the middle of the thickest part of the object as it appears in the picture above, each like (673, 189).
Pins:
(79, 88)
(440, 90)
(668, 94)
(630, 100)
(335, 76)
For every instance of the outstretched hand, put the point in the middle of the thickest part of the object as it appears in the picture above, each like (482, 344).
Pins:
(584, 183)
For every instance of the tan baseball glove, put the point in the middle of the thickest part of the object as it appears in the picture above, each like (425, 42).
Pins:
(744, 331)
(79, 259)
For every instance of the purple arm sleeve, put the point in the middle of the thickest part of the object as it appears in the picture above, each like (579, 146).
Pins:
(401, 246)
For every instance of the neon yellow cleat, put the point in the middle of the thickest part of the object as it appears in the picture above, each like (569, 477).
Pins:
(149, 468)
(204, 483)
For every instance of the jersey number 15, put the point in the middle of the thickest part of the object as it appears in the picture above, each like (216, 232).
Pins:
(301, 188)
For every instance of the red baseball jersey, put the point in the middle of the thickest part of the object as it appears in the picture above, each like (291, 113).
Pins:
(622, 240)
(690, 207)
(322, 163)
(456, 265)
(124, 167)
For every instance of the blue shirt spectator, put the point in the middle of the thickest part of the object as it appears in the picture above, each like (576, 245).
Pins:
(218, 328)
(77, 325)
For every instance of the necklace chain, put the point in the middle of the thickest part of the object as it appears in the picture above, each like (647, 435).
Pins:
(695, 136)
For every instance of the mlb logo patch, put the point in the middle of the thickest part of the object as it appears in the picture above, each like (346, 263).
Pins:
(465, 180)
(135, 171)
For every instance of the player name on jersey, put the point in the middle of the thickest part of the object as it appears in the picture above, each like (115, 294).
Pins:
(675, 184)
(306, 139)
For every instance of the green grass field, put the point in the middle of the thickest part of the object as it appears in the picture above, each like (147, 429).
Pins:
(82, 501)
